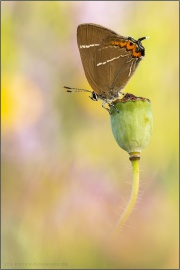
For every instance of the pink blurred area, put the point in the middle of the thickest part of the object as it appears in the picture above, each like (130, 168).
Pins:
(65, 181)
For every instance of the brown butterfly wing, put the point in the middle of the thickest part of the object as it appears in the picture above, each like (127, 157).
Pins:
(114, 67)
(89, 39)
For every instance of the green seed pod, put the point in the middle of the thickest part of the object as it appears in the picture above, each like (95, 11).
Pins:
(131, 123)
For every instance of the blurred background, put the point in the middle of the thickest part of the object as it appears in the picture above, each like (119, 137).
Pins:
(65, 181)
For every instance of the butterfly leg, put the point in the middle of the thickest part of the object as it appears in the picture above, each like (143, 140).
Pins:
(113, 105)
(103, 105)
(110, 104)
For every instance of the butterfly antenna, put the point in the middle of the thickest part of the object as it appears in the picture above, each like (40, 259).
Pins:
(70, 89)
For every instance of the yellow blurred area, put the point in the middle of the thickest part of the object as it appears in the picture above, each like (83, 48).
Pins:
(22, 103)
(65, 181)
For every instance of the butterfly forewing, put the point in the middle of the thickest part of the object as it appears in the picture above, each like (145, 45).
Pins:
(89, 38)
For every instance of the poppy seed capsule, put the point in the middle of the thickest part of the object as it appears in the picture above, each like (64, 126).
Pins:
(131, 123)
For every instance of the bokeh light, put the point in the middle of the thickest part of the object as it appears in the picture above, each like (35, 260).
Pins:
(65, 181)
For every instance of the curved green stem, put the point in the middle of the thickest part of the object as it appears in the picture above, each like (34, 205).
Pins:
(133, 197)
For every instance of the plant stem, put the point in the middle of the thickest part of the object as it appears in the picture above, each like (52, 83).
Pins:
(134, 193)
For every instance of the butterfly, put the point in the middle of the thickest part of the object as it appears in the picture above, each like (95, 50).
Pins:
(109, 61)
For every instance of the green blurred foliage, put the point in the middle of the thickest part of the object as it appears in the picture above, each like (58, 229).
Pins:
(65, 181)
